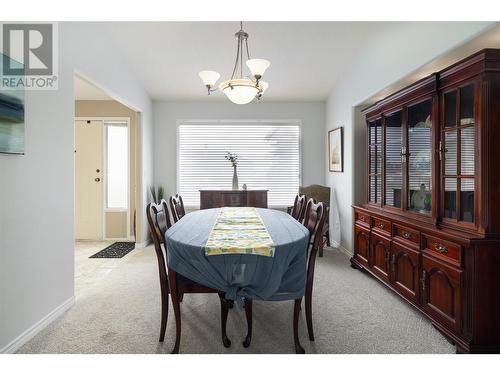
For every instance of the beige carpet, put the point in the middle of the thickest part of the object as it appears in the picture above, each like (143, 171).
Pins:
(117, 310)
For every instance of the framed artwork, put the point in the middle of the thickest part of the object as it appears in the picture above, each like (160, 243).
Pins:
(335, 150)
(11, 116)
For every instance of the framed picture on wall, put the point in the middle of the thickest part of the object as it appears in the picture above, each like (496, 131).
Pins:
(335, 150)
(11, 115)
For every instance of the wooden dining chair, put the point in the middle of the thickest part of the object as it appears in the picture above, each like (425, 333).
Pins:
(159, 222)
(314, 221)
(177, 207)
(315, 214)
(172, 282)
(299, 207)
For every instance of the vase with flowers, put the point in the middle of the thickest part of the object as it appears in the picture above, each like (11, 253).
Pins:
(233, 159)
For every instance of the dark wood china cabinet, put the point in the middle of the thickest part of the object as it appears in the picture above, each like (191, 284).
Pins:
(430, 228)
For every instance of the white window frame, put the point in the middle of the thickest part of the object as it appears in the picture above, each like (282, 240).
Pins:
(236, 122)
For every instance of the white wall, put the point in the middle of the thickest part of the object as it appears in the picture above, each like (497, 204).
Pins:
(166, 115)
(386, 59)
(37, 189)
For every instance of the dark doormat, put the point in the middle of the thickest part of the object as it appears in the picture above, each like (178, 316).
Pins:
(115, 250)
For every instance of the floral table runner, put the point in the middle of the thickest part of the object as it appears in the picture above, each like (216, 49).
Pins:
(239, 230)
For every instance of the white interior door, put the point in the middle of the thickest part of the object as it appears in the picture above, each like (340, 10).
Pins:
(88, 179)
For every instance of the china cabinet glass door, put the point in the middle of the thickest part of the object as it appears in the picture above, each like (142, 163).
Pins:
(394, 159)
(375, 161)
(457, 154)
(419, 157)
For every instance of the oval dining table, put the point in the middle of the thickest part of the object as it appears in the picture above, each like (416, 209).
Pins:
(241, 276)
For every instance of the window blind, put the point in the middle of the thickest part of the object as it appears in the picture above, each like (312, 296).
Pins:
(268, 158)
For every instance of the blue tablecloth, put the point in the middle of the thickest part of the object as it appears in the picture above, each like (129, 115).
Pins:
(282, 277)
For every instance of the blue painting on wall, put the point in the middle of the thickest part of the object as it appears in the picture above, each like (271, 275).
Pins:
(11, 118)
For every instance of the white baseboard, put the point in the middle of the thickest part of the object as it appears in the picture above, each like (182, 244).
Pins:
(342, 248)
(27, 335)
(142, 245)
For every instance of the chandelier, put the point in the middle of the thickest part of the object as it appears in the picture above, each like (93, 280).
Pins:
(240, 89)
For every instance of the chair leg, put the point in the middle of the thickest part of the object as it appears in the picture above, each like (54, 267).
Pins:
(296, 311)
(164, 314)
(174, 295)
(308, 295)
(248, 313)
(327, 235)
(321, 244)
(224, 308)
(181, 297)
(309, 313)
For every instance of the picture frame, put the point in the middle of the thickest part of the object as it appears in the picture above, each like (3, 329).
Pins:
(12, 115)
(336, 150)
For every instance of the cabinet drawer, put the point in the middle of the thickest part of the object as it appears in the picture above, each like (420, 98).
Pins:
(362, 218)
(406, 235)
(382, 225)
(445, 250)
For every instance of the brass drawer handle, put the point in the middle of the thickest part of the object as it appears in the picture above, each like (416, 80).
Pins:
(442, 249)
(406, 235)
(381, 226)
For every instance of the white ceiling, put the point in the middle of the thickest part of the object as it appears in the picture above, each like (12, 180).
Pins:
(87, 91)
(306, 57)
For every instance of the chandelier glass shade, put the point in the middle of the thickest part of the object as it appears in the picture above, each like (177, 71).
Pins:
(209, 77)
(257, 66)
(240, 88)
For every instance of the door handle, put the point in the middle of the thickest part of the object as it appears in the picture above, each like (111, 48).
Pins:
(442, 149)
(97, 179)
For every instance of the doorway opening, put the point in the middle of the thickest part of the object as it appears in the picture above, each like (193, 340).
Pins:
(106, 176)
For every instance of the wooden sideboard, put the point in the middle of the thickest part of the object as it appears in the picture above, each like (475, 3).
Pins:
(234, 198)
(430, 227)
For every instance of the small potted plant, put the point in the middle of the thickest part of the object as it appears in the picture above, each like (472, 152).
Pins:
(157, 195)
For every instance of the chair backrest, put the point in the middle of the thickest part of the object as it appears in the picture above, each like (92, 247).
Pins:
(177, 207)
(159, 220)
(299, 207)
(314, 221)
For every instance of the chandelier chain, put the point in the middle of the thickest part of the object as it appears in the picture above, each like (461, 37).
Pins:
(237, 59)
(241, 58)
(242, 37)
(246, 44)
